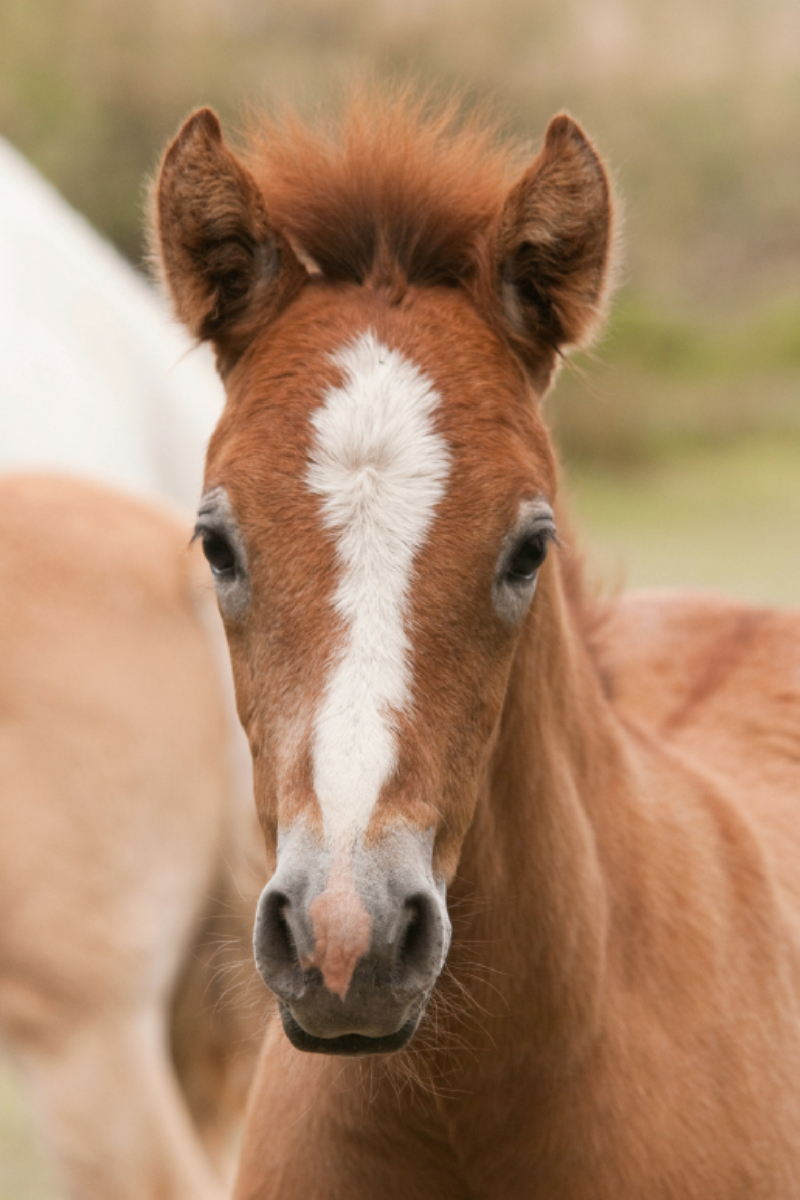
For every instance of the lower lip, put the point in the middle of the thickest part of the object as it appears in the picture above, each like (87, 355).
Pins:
(351, 1045)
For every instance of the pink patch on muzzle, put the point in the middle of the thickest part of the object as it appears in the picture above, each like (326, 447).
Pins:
(341, 927)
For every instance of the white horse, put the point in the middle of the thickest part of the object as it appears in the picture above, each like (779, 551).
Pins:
(125, 815)
(95, 378)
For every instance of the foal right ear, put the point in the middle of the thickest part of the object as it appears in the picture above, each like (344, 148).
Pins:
(228, 269)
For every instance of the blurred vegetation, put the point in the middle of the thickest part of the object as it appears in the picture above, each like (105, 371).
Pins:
(27, 1171)
(697, 108)
(662, 383)
(724, 519)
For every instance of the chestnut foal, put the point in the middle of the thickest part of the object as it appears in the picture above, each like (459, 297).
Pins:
(443, 728)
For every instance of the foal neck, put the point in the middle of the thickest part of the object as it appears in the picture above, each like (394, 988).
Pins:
(530, 904)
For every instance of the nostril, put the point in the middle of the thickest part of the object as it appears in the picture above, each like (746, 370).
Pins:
(416, 947)
(278, 938)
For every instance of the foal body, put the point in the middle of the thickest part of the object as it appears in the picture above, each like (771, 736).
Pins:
(607, 798)
(628, 957)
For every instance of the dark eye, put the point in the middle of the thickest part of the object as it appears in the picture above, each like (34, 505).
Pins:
(527, 558)
(219, 553)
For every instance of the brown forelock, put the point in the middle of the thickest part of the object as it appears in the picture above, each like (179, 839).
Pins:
(461, 650)
(388, 193)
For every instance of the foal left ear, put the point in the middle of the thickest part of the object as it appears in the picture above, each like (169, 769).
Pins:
(553, 244)
(228, 269)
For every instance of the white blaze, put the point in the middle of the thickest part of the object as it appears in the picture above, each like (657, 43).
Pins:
(380, 467)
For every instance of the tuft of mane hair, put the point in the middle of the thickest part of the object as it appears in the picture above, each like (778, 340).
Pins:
(393, 192)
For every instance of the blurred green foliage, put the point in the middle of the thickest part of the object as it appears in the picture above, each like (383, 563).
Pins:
(725, 519)
(27, 1171)
(697, 108)
(660, 383)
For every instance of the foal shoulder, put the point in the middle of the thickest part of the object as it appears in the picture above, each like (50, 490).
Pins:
(719, 681)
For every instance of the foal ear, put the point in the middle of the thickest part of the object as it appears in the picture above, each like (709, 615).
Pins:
(553, 244)
(228, 269)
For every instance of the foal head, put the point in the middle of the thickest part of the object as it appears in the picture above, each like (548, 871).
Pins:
(386, 310)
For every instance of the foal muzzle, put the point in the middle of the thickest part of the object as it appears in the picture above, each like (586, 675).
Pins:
(352, 941)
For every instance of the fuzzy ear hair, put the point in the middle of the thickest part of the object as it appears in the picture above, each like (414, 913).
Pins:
(229, 271)
(553, 245)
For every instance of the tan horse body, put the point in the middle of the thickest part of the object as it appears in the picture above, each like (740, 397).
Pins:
(607, 795)
(122, 845)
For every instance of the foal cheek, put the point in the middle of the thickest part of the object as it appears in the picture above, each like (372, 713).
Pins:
(468, 756)
(266, 813)
(245, 692)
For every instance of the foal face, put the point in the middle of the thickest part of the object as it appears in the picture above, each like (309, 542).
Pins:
(377, 503)
(377, 506)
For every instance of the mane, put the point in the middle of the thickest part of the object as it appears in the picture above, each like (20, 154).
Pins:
(590, 598)
(390, 192)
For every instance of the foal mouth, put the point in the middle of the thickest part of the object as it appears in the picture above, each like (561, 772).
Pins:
(347, 1044)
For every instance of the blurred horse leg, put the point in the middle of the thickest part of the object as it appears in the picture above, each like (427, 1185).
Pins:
(119, 817)
(113, 1112)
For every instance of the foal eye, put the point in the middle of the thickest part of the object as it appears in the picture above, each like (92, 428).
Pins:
(527, 558)
(219, 553)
